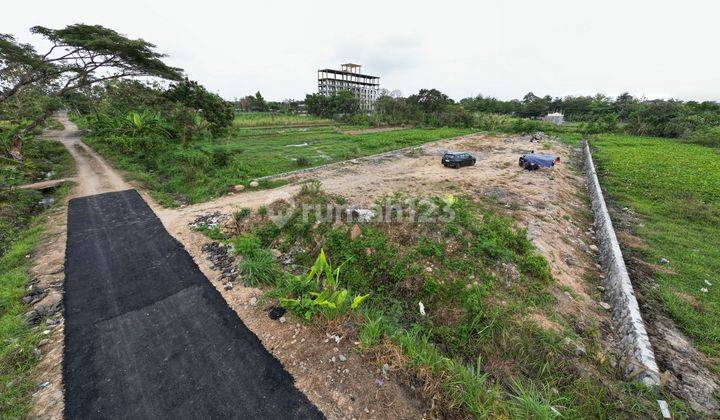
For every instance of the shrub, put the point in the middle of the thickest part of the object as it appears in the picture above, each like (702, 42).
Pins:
(707, 136)
(302, 161)
(491, 122)
(246, 244)
(525, 126)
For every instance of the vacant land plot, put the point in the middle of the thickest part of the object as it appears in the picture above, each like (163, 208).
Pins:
(256, 119)
(468, 312)
(210, 168)
(670, 192)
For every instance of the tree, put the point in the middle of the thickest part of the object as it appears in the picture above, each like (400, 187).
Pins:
(624, 105)
(318, 104)
(342, 102)
(257, 103)
(212, 108)
(534, 106)
(80, 56)
(430, 100)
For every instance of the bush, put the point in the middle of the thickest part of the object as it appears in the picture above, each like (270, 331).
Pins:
(247, 244)
(707, 136)
(302, 161)
(491, 122)
(525, 126)
(605, 124)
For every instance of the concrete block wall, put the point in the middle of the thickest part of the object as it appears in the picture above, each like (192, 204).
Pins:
(639, 360)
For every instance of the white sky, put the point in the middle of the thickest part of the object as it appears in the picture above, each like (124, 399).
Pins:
(500, 48)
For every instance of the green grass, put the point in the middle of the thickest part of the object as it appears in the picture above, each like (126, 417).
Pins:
(254, 119)
(474, 341)
(675, 189)
(17, 206)
(17, 339)
(208, 168)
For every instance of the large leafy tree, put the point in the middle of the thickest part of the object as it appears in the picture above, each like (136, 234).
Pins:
(430, 100)
(80, 56)
(210, 107)
(343, 102)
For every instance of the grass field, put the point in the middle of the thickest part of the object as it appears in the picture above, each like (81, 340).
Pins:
(209, 168)
(675, 189)
(255, 119)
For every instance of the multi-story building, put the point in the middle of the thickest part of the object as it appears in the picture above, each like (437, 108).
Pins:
(365, 87)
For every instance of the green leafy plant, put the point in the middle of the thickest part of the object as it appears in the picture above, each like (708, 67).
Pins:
(371, 331)
(319, 292)
(302, 161)
(259, 267)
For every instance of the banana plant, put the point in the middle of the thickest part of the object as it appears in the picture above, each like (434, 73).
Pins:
(321, 292)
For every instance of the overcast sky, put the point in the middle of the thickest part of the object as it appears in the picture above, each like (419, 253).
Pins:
(500, 48)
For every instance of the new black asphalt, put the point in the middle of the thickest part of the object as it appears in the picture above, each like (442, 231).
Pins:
(148, 336)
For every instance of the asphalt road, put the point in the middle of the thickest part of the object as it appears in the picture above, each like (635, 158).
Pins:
(147, 335)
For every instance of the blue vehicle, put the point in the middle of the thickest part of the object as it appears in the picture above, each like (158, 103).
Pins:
(534, 161)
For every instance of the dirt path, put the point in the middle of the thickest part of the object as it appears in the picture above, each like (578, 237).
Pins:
(94, 175)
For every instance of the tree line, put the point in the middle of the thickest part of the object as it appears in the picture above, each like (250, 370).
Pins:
(96, 70)
(693, 120)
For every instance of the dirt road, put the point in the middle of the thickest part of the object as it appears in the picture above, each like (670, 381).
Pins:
(94, 175)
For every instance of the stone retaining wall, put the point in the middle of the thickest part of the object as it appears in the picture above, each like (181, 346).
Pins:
(634, 343)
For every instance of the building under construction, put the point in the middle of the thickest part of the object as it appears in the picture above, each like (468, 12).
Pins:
(365, 87)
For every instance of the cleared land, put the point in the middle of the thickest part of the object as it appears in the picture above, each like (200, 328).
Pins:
(500, 337)
(671, 192)
(203, 170)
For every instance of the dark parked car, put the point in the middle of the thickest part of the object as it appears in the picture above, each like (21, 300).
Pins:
(458, 159)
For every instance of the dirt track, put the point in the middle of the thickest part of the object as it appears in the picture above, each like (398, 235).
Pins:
(94, 175)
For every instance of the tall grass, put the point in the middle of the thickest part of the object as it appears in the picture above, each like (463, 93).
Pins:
(258, 119)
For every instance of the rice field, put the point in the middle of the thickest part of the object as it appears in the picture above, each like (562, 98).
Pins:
(673, 188)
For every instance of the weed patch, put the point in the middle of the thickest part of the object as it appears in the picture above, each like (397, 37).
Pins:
(454, 297)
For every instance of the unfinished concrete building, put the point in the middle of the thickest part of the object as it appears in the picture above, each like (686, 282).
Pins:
(365, 87)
